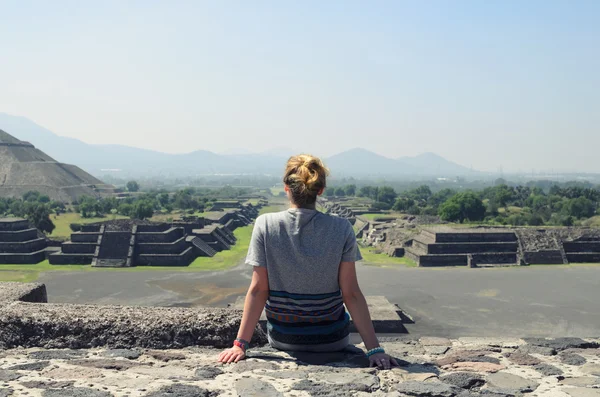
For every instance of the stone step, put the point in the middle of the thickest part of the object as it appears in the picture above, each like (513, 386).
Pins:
(386, 317)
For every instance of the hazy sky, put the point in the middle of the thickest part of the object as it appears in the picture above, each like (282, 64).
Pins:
(483, 83)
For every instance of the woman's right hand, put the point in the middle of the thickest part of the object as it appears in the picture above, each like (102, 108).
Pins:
(382, 361)
(232, 355)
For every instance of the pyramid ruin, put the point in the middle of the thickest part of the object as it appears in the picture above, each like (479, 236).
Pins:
(24, 168)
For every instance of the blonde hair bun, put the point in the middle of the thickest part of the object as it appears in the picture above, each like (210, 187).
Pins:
(305, 175)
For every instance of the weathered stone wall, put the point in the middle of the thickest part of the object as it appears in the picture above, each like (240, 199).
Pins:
(153, 228)
(546, 257)
(463, 248)
(495, 258)
(90, 228)
(160, 237)
(18, 235)
(71, 259)
(442, 237)
(12, 225)
(24, 292)
(23, 259)
(175, 247)
(78, 248)
(79, 326)
(21, 247)
(182, 259)
(82, 237)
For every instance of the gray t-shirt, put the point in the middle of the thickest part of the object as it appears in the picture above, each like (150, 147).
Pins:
(302, 249)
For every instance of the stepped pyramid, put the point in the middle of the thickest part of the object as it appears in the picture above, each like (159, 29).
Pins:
(24, 168)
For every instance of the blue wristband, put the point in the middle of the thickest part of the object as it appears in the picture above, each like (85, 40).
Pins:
(375, 351)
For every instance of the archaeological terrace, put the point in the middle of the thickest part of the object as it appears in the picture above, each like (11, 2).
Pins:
(126, 243)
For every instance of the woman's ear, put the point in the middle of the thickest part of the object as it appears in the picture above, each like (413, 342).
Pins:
(286, 188)
(321, 191)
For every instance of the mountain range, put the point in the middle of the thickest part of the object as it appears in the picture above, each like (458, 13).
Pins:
(131, 161)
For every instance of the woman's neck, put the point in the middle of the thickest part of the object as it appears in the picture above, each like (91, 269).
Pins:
(307, 206)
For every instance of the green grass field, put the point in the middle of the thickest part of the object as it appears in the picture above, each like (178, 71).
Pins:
(370, 257)
(377, 216)
(62, 222)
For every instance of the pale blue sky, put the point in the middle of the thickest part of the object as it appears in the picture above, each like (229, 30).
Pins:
(483, 83)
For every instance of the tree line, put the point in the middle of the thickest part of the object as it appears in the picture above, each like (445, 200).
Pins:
(497, 205)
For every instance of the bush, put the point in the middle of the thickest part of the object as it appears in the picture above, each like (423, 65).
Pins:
(76, 227)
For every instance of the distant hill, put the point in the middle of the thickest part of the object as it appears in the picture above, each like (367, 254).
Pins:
(431, 163)
(133, 161)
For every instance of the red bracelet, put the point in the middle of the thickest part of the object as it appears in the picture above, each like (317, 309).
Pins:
(240, 345)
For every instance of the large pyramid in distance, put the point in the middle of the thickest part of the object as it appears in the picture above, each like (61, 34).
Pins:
(24, 168)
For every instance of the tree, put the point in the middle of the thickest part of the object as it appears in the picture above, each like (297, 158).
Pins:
(461, 207)
(402, 204)
(579, 208)
(350, 190)
(133, 186)
(163, 199)
(340, 192)
(368, 191)
(39, 215)
(386, 194)
(125, 209)
(142, 209)
(329, 192)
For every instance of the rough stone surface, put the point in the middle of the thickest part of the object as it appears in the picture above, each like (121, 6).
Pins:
(8, 375)
(181, 390)
(35, 366)
(548, 370)
(507, 381)
(428, 389)
(6, 392)
(560, 344)
(129, 354)
(194, 372)
(56, 354)
(591, 369)
(582, 392)
(464, 380)
(572, 359)
(581, 381)
(252, 387)
(532, 349)
(165, 356)
(75, 392)
(208, 373)
(40, 384)
(474, 367)
(23, 292)
(523, 359)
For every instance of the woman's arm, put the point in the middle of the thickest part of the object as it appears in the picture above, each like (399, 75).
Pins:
(256, 298)
(253, 306)
(357, 304)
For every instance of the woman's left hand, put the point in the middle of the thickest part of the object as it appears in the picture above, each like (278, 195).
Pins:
(382, 361)
(232, 355)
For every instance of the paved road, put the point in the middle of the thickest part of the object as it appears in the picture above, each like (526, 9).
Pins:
(451, 302)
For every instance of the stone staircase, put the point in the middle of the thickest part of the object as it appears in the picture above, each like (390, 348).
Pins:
(114, 250)
(202, 247)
